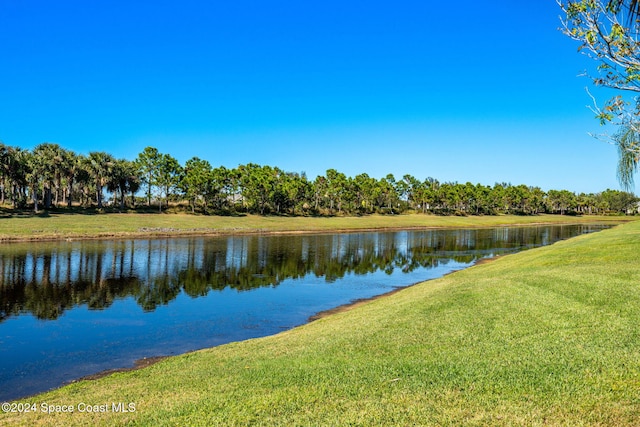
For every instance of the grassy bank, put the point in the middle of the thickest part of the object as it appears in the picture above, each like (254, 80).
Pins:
(548, 336)
(59, 226)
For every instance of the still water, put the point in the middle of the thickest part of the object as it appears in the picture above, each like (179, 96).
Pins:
(71, 309)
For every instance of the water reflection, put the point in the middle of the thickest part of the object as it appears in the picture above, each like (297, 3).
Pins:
(46, 279)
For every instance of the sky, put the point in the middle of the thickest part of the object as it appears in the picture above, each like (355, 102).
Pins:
(479, 92)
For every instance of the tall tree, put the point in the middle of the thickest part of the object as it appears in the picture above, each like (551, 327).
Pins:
(6, 159)
(336, 187)
(319, 191)
(363, 185)
(83, 181)
(148, 162)
(33, 176)
(561, 200)
(388, 193)
(169, 174)
(197, 181)
(300, 192)
(225, 189)
(99, 165)
(408, 189)
(47, 161)
(123, 180)
(619, 201)
(15, 168)
(4, 171)
(70, 167)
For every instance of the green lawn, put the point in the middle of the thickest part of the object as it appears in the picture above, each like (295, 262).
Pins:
(548, 336)
(56, 226)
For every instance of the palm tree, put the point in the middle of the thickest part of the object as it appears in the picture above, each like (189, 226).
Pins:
(4, 171)
(16, 169)
(124, 179)
(47, 158)
(99, 165)
(83, 180)
(627, 140)
(633, 6)
(69, 167)
(33, 173)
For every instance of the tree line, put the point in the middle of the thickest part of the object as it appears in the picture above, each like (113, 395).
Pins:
(52, 177)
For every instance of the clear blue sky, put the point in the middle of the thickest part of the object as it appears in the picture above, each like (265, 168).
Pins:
(467, 91)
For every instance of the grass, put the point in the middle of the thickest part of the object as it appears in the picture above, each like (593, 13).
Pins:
(59, 226)
(548, 336)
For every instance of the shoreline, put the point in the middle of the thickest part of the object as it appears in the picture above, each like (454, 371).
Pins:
(163, 233)
(152, 360)
(360, 301)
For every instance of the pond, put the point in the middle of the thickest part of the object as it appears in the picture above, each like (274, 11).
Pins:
(72, 309)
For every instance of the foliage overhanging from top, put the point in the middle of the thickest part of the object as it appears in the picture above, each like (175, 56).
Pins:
(608, 32)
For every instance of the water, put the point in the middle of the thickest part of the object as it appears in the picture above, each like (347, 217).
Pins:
(71, 309)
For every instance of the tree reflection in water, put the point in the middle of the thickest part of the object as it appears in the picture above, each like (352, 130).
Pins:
(45, 279)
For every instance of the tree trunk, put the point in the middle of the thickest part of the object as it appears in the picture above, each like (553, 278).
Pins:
(149, 192)
(69, 190)
(15, 195)
(34, 196)
(99, 195)
(46, 197)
